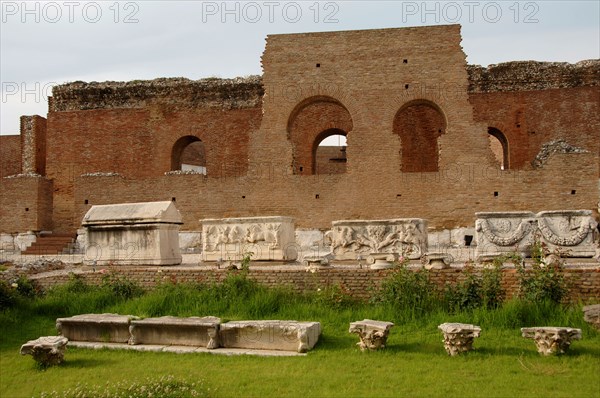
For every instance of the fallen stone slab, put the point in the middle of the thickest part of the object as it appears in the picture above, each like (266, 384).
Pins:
(270, 335)
(108, 328)
(169, 330)
(183, 349)
(373, 334)
(459, 337)
(591, 314)
(551, 340)
(47, 351)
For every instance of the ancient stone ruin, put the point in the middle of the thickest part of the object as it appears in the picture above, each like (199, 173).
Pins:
(373, 334)
(459, 337)
(133, 233)
(47, 351)
(552, 340)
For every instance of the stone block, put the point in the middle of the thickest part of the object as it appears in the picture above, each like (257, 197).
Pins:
(373, 334)
(270, 335)
(107, 328)
(569, 231)
(133, 233)
(47, 351)
(500, 233)
(591, 314)
(268, 238)
(168, 330)
(551, 340)
(405, 237)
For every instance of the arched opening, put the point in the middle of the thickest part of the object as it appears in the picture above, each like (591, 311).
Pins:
(310, 123)
(499, 147)
(329, 152)
(189, 154)
(419, 124)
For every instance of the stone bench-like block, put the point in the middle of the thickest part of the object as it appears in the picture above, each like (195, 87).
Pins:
(569, 231)
(373, 334)
(551, 340)
(404, 236)
(106, 328)
(500, 233)
(591, 314)
(459, 337)
(168, 330)
(270, 335)
(47, 351)
(267, 238)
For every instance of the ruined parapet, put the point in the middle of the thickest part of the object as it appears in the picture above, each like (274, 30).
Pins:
(33, 145)
(239, 92)
(533, 75)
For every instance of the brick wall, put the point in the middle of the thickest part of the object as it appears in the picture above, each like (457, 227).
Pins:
(10, 155)
(584, 284)
(258, 132)
(25, 204)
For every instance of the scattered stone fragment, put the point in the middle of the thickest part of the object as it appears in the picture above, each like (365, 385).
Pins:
(459, 337)
(552, 340)
(373, 334)
(47, 351)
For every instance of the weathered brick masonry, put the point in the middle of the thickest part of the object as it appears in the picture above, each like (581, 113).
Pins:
(417, 120)
(584, 284)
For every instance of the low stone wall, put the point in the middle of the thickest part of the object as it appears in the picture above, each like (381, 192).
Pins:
(583, 283)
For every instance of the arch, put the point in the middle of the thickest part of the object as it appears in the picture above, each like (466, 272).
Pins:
(188, 153)
(499, 146)
(419, 124)
(329, 159)
(311, 121)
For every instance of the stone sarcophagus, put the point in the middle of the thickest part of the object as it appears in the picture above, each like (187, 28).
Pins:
(168, 330)
(500, 233)
(106, 328)
(267, 238)
(132, 234)
(569, 231)
(270, 335)
(403, 236)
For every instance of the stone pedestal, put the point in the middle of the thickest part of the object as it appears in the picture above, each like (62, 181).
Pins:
(591, 314)
(459, 337)
(47, 351)
(569, 231)
(500, 233)
(270, 335)
(405, 237)
(551, 340)
(106, 328)
(267, 238)
(437, 260)
(381, 260)
(373, 334)
(132, 234)
(168, 330)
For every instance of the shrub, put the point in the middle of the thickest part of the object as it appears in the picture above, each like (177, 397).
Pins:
(120, 286)
(544, 281)
(8, 295)
(409, 290)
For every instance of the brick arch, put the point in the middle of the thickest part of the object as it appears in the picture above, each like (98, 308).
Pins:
(419, 124)
(309, 120)
(501, 153)
(188, 149)
(321, 157)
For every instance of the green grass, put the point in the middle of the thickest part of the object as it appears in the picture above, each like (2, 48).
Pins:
(414, 364)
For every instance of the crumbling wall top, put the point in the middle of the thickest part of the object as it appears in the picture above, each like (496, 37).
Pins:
(533, 75)
(239, 92)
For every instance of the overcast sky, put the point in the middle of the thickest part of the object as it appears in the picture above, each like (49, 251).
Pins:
(48, 43)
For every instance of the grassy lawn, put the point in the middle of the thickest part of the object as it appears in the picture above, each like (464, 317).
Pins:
(413, 364)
